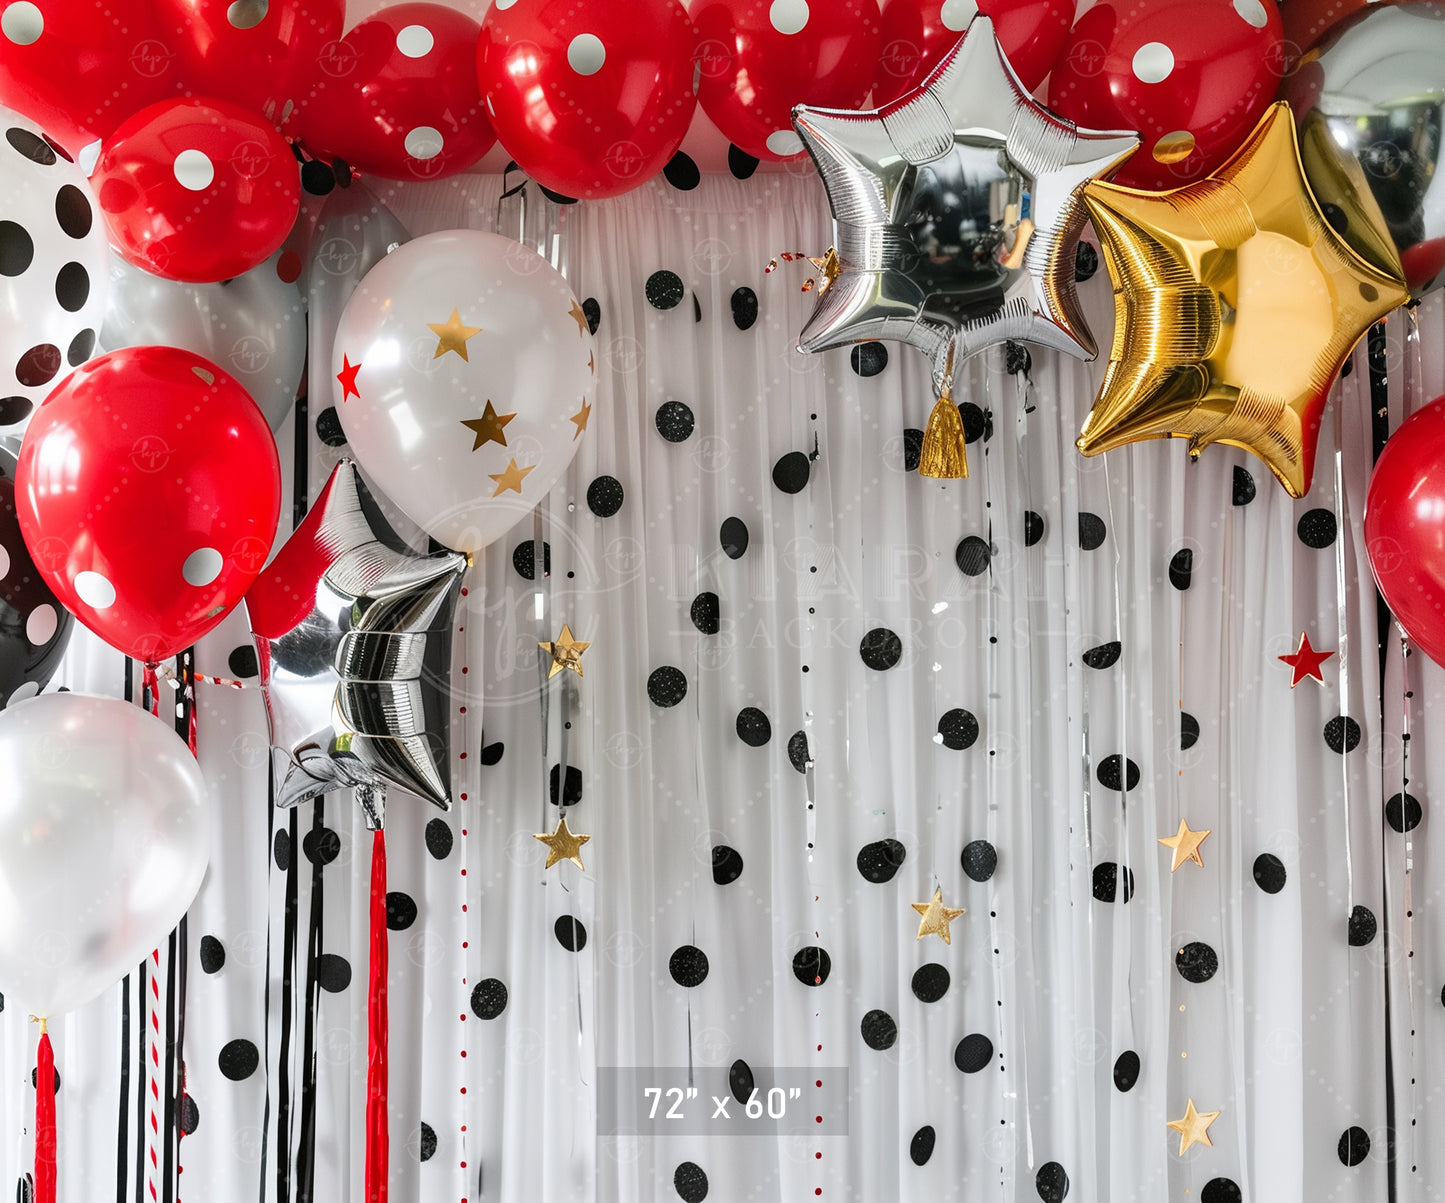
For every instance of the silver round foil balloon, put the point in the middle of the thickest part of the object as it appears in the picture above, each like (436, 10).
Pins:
(1370, 105)
(104, 840)
(354, 638)
(956, 210)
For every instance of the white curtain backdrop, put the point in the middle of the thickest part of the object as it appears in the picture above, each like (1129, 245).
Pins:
(1007, 687)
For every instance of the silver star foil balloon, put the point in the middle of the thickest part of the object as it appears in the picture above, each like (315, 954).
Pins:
(956, 209)
(354, 640)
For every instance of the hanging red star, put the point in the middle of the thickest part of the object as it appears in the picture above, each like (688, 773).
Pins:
(347, 376)
(1306, 662)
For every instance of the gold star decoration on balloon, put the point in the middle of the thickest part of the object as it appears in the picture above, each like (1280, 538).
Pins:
(936, 917)
(580, 419)
(1185, 845)
(566, 653)
(1193, 1129)
(576, 314)
(1305, 662)
(562, 845)
(452, 335)
(511, 479)
(1236, 305)
(489, 428)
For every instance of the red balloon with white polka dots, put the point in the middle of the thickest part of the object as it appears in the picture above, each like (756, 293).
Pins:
(1193, 77)
(590, 100)
(148, 490)
(258, 53)
(758, 58)
(197, 190)
(398, 96)
(81, 67)
(918, 33)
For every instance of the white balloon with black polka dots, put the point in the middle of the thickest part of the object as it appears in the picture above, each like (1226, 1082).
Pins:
(53, 268)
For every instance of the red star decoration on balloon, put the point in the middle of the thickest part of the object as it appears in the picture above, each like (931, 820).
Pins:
(1306, 662)
(347, 376)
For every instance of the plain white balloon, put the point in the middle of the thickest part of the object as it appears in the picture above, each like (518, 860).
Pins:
(53, 268)
(465, 446)
(104, 839)
(254, 326)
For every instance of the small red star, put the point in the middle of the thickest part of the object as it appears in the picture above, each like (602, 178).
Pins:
(1306, 662)
(347, 376)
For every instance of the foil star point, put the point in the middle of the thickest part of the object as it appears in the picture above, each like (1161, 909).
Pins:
(563, 844)
(1193, 1128)
(1185, 845)
(936, 917)
(566, 653)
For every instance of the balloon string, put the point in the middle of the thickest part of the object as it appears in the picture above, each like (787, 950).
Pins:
(376, 1032)
(45, 1146)
(190, 678)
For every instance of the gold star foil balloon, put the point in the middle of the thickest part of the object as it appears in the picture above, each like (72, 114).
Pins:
(1236, 305)
(955, 210)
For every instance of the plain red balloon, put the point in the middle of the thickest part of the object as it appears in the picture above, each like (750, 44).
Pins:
(260, 54)
(758, 58)
(148, 491)
(1405, 527)
(918, 33)
(197, 190)
(1193, 77)
(589, 101)
(78, 68)
(398, 96)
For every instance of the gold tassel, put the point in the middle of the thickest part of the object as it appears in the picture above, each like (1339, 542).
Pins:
(945, 453)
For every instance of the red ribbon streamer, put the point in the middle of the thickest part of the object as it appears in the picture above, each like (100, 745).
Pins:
(45, 1122)
(151, 685)
(377, 1024)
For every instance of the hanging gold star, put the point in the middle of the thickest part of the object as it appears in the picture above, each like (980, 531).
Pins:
(936, 917)
(1185, 844)
(1236, 305)
(452, 335)
(565, 653)
(1193, 1129)
(510, 479)
(489, 427)
(580, 419)
(576, 314)
(563, 845)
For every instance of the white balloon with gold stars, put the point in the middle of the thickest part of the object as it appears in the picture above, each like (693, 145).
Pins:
(464, 378)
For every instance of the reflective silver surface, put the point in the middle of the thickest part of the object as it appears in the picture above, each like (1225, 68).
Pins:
(1370, 105)
(354, 642)
(955, 211)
